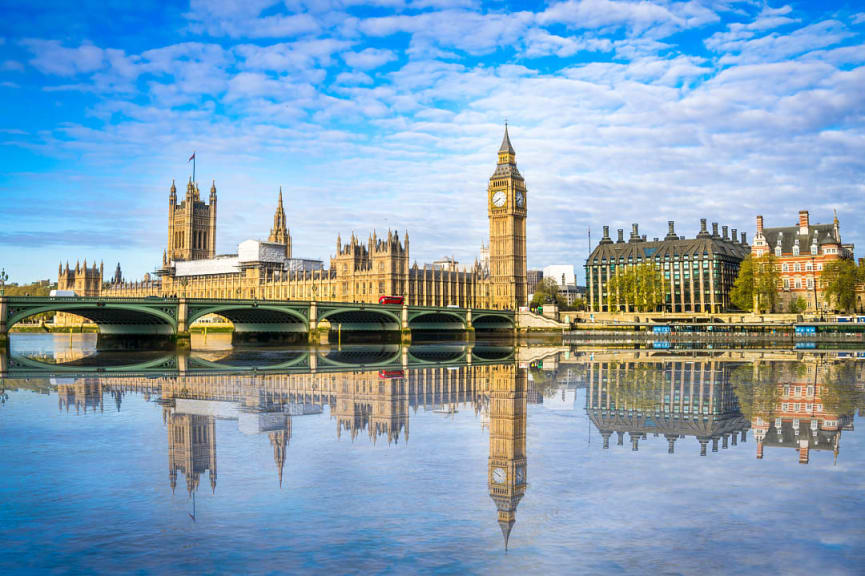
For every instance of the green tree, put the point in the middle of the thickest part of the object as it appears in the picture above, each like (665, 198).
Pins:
(546, 291)
(639, 288)
(798, 305)
(756, 284)
(839, 280)
(742, 293)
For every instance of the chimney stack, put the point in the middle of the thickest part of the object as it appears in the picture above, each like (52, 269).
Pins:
(671, 230)
(803, 221)
(759, 225)
(714, 229)
(635, 232)
(733, 234)
(621, 239)
(605, 239)
(724, 232)
(744, 239)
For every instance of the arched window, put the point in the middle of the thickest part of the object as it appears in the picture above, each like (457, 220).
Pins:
(795, 250)
(813, 249)
(778, 251)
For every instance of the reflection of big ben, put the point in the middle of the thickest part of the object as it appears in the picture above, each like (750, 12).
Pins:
(506, 202)
(507, 462)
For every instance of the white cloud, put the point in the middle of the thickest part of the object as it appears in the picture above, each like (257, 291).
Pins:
(659, 19)
(242, 19)
(51, 57)
(368, 58)
(776, 46)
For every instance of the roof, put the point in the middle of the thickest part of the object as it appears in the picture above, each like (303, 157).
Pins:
(607, 250)
(506, 170)
(788, 235)
(506, 143)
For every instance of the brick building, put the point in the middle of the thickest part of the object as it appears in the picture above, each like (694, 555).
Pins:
(801, 253)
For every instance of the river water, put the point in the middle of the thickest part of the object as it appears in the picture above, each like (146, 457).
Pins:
(470, 459)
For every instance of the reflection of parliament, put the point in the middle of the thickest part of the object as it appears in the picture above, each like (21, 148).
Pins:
(358, 272)
(787, 401)
(358, 401)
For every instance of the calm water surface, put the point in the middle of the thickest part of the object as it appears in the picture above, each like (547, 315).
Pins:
(430, 459)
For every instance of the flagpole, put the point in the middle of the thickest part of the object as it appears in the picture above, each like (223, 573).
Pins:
(193, 167)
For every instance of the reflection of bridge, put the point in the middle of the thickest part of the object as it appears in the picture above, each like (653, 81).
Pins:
(133, 323)
(286, 361)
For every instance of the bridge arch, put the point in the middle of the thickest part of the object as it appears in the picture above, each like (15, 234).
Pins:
(250, 313)
(362, 319)
(256, 323)
(103, 314)
(122, 325)
(437, 320)
(492, 321)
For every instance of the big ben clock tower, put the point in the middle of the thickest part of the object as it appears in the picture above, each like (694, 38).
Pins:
(506, 206)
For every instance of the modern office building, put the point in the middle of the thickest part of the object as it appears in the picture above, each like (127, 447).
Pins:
(697, 273)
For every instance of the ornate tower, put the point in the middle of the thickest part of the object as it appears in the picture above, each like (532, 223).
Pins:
(507, 462)
(191, 224)
(279, 233)
(191, 449)
(506, 202)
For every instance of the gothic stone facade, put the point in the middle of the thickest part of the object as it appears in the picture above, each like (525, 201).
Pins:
(359, 271)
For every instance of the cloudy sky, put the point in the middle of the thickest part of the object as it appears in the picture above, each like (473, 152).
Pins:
(389, 114)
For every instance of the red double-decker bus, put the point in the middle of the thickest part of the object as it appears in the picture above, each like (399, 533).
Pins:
(391, 300)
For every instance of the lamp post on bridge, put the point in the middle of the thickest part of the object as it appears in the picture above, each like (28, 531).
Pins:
(3, 278)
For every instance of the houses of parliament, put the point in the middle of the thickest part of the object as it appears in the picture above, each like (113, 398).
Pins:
(358, 271)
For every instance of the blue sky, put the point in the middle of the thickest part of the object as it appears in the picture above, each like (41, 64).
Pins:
(389, 114)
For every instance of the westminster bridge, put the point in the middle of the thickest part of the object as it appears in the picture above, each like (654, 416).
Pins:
(158, 323)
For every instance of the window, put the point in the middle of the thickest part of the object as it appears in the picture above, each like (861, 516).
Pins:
(785, 267)
(808, 267)
(798, 283)
(786, 283)
(795, 250)
(797, 267)
(813, 249)
(810, 283)
(778, 251)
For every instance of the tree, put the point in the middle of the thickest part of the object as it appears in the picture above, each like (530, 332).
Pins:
(639, 288)
(742, 293)
(798, 305)
(756, 285)
(839, 280)
(546, 291)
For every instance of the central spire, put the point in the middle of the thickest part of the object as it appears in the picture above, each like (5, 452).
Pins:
(506, 142)
(507, 155)
(279, 233)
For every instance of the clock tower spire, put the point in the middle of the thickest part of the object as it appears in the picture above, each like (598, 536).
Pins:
(506, 208)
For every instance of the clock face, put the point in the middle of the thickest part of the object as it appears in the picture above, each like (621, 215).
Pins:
(521, 199)
(499, 199)
(521, 475)
(499, 475)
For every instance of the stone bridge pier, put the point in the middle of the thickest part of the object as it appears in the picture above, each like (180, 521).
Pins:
(4, 328)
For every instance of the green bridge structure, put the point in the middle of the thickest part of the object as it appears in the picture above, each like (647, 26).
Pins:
(163, 323)
(390, 358)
